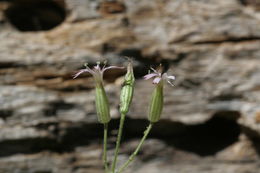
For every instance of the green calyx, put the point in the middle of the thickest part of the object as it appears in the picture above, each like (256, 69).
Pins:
(102, 104)
(127, 91)
(156, 104)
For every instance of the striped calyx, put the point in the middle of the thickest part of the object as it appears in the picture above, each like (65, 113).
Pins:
(102, 104)
(156, 104)
(127, 90)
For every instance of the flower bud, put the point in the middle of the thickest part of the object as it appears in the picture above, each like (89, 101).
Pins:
(102, 105)
(127, 91)
(156, 104)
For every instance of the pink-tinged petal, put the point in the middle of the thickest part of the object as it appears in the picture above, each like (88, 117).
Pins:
(157, 80)
(171, 77)
(170, 82)
(153, 70)
(112, 67)
(80, 72)
(149, 76)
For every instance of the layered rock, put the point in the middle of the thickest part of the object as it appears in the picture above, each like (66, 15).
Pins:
(48, 121)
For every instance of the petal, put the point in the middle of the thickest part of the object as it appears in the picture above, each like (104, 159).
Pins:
(170, 82)
(149, 76)
(157, 80)
(153, 70)
(171, 77)
(80, 72)
(112, 67)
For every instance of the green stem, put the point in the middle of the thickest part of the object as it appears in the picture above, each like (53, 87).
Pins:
(105, 148)
(118, 141)
(131, 158)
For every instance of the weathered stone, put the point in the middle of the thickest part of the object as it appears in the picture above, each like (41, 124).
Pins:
(48, 121)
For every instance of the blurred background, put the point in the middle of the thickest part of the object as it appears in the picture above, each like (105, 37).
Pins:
(211, 118)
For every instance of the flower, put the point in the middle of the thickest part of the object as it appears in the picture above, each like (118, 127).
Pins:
(97, 71)
(102, 103)
(158, 76)
(156, 103)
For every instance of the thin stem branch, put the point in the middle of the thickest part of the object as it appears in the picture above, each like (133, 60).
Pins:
(105, 148)
(118, 141)
(131, 158)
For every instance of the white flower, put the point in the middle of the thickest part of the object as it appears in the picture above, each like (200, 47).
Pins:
(158, 76)
(97, 71)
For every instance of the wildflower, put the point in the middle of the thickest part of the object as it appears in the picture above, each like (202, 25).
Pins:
(102, 104)
(156, 104)
(97, 72)
(158, 76)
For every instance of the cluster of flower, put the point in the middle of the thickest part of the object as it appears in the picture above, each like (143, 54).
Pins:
(103, 110)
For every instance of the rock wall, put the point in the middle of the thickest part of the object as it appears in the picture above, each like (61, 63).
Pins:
(211, 117)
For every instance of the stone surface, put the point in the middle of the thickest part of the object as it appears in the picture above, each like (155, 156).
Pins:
(210, 121)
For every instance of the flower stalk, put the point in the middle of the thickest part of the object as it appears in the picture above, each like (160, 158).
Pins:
(131, 158)
(126, 97)
(104, 157)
